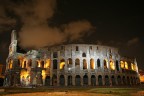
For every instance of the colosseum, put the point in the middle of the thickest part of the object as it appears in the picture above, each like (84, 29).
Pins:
(69, 65)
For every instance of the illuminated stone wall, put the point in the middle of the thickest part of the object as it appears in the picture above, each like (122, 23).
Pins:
(70, 65)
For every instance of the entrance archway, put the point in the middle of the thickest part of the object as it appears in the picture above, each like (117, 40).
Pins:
(100, 83)
(85, 80)
(47, 81)
(93, 80)
(69, 80)
(119, 80)
(54, 80)
(113, 80)
(77, 80)
(107, 80)
(62, 80)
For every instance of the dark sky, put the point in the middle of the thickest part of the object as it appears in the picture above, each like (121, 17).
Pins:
(48, 22)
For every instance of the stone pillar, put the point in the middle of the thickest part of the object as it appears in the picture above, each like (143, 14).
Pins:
(89, 80)
(51, 80)
(39, 78)
(121, 80)
(97, 80)
(103, 80)
(73, 80)
(116, 80)
(81, 80)
(65, 76)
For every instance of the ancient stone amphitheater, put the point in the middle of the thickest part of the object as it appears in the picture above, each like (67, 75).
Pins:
(69, 65)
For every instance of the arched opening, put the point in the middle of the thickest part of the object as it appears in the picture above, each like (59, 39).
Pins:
(47, 81)
(55, 64)
(122, 64)
(98, 63)
(69, 80)
(105, 64)
(77, 62)
(132, 81)
(112, 66)
(126, 65)
(119, 80)
(54, 80)
(24, 64)
(24, 78)
(84, 64)
(62, 64)
(30, 63)
(92, 65)
(12, 80)
(85, 80)
(107, 83)
(100, 83)
(48, 63)
(42, 64)
(113, 80)
(132, 66)
(77, 48)
(124, 80)
(1, 81)
(55, 55)
(19, 63)
(83, 54)
(128, 80)
(93, 80)
(69, 61)
(62, 80)
(117, 65)
(77, 80)
(10, 63)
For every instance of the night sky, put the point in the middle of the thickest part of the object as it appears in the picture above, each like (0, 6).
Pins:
(42, 23)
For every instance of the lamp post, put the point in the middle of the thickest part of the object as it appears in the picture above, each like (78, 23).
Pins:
(70, 76)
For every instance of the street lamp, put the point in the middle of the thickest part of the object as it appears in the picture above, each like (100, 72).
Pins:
(70, 76)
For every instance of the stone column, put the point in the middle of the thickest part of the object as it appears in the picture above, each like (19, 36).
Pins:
(103, 80)
(97, 80)
(81, 80)
(89, 80)
(58, 77)
(73, 80)
(65, 76)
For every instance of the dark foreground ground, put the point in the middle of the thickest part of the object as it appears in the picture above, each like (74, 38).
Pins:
(74, 91)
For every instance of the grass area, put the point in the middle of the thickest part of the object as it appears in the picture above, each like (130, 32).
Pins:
(97, 90)
(118, 91)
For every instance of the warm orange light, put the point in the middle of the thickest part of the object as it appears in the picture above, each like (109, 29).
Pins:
(62, 64)
(92, 65)
(122, 64)
(10, 64)
(47, 65)
(132, 66)
(112, 66)
(39, 65)
(24, 63)
(25, 77)
(105, 63)
(43, 74)
(141, 78)
(24, 74)
(126, 65)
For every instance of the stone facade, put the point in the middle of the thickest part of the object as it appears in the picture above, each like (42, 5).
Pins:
(69, 65)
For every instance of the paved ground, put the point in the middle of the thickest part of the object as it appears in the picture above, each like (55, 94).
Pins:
(59, 94)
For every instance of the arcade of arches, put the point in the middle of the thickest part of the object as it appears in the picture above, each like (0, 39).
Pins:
(93, 80)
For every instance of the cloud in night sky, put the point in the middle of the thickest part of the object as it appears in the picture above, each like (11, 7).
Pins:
(36, 32)
(5, 22)
(133, 41)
